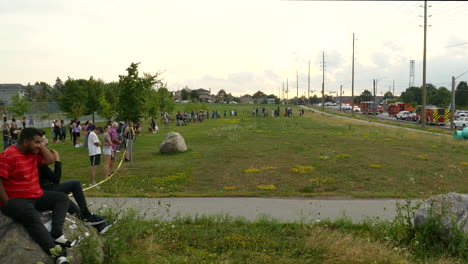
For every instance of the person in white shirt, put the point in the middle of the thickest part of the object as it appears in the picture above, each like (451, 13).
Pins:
(94, 150)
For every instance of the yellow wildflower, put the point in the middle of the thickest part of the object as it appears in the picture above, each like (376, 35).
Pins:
(303, 169)
(267, 187)
(464, 163)
(376, 166)
(252, 170)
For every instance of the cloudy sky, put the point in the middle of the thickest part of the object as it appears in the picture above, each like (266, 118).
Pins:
(241, 46)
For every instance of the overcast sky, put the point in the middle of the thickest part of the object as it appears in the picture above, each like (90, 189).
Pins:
(240, 46)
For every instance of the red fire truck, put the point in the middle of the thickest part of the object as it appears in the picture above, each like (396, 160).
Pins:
(434, 115)
(367, 107)
(395, 108)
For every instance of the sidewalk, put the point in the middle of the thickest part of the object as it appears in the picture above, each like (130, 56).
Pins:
(282, 209)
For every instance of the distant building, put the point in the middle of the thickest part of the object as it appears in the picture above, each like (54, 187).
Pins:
(204, 95)
(271, 101)
(8, 90)
(246, 99)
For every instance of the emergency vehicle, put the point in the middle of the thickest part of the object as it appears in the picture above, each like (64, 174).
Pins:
(395, 108)
(367, 107)
(434, 115)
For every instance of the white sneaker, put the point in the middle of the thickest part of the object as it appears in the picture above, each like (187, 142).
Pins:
(77, 146)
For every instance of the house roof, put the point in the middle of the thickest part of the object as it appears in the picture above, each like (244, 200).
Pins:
(11, 86)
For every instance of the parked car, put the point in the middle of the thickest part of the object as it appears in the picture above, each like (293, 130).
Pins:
(462, 122)
(461, 113)
(412, 117)
(403, 115)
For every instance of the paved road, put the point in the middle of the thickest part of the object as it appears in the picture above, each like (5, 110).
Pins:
(282, 209)
(375, 123)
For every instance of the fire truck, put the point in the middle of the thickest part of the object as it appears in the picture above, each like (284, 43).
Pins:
(434, 115)
(367, 107)
(395, 108)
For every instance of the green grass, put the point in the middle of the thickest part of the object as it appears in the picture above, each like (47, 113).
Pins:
(239, 156)
(223, 239)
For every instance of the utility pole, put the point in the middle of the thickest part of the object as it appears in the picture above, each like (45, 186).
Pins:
(287, 91)
(352, 83)
(423, 119)
(452, 105)
(297, 87)
(375, 101)
(308, 86)
(341, 89)
(393, 89)
(323, 80)
(283, 92)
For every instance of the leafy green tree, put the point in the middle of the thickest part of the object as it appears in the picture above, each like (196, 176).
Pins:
(412, 95)
(461, 95)
(19, 105)
(72, 100)
(44, 93)
(388, 95)
(258, 94)
(94, 91)
(106, 109)
(441, 98)
(194, 96)
(221, 95)
(366, 96)
(185, 93)
(30, 92)
(161, 100)
(57, 89)
(134, 93)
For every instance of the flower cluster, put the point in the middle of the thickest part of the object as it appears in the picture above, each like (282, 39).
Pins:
(375, 166)
(303, 169)
(266, 187)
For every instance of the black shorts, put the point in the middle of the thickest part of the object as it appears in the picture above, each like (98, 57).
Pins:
(95, 159)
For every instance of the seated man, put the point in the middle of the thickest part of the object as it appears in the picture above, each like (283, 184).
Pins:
(21, 197)
(50, 181)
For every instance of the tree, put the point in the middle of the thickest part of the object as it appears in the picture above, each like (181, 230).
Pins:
(19, 105)
(134, 92)
(106, 109)
(461, 95)
(412, 95)
(388, 95)
(30, 92)
(57, 89)
(258, 94)
(94, 91)
(161, 100)
(72, 99)
(366, 96)
(185, 93)
(441, 98)
(221, 95)
(43, 97)
(194, 96)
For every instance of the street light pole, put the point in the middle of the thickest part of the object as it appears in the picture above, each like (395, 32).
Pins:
(452, 105)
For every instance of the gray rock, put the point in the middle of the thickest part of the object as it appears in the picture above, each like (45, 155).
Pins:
(452, 208)
(17, 246)
(173, 143)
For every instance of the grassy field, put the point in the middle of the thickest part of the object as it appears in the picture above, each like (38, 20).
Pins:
(313, 155)
(222, 239)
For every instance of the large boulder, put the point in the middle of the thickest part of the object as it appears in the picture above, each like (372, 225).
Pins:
(173, 143)
(16, 246)
(451, 209)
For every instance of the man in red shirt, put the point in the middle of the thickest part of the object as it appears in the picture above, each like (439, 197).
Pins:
(21, 196)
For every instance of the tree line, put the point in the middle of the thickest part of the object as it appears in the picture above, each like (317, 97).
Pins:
(134, 97)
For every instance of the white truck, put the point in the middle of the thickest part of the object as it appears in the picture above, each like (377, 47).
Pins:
(461, 122)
